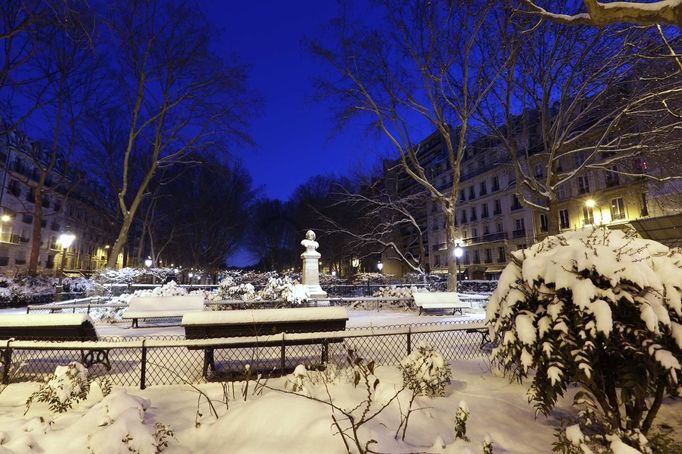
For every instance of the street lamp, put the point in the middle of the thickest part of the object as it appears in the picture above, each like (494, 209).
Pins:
(190, 275)
(380, 266)
(5, 218)
(459, 251)
(590, 203)
(148, 262)
(65, 240)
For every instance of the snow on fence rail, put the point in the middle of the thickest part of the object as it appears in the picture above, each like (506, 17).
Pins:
(168, 360)
(100, 302)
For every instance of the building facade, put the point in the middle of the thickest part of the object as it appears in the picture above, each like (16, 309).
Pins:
(70, 203)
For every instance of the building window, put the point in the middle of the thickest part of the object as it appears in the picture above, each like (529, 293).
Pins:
(519, 224)
(544, 224)
(471, 193)
(484, 211)
(617, 209)
(477, 257)
(483, 190)
(488, 255)
(496, 183)
(462, 198)
(561, 192)
(498, 207)
(564, 222)
(473, 213)
(588, 215)
(27, 219)
(486, 230)
(612, 177)
(499, 227)
(578, 159)
(501, 255)
(464, 216)
(13, 188)
(31, 195)
(516, 205)
(583, 184)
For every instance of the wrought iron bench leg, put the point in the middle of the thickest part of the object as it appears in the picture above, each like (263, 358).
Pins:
(91, 357)
(209, 361)
(6, 360)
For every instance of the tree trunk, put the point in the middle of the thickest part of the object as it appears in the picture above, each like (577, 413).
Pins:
(553, 218)
(452, 262)
(36, 232)
(121, 241)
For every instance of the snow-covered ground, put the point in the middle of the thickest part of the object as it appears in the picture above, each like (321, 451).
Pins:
(275, 422)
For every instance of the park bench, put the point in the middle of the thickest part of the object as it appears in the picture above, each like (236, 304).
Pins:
(439, 300)
(484, 332)
(264, 322)
(50, 327)
(150, 307)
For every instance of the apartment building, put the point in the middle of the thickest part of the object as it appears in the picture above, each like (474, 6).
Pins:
(491, 222)
(73, 204)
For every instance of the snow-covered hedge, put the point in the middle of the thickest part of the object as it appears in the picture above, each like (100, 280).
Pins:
(597, 307)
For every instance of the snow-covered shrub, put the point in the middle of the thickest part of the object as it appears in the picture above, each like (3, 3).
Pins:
(244, 292)
(461, 418)
(283, 288)
(68, 385)
(169, 289)
(487, 445)
(425, 371)
(107, 314)
(121, 426)
(599, 308)
(120, 276)
(297, 379)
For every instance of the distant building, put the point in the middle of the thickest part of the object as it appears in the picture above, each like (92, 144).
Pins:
(491, 222)
(73, 203)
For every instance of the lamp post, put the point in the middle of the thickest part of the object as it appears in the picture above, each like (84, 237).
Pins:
(65, 240)
(459, 251)
(590, 203)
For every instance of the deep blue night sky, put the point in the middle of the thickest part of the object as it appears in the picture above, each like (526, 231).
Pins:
(293, 133)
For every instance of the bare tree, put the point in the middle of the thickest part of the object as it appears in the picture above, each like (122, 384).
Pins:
(423, 67)
(572, 102)
(379, 218)
(661, 12)
(178, 95)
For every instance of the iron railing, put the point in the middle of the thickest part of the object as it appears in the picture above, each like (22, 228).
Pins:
(168, 360)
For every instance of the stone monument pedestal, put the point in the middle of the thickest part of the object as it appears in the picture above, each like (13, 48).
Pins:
(311, 267)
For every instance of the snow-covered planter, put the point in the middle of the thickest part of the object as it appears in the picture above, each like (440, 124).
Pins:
(599, 308)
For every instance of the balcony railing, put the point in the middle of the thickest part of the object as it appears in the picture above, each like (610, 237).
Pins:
(519, 233)
(500, 236)
(7, 237)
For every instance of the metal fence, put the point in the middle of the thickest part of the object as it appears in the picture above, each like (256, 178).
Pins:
(166, 360)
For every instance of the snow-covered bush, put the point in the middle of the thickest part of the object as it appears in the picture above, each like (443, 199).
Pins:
(169, 289)
(68, 385)
(599, 308)
(121, 426)
(425, 371)
(283, 288)
(461, 418)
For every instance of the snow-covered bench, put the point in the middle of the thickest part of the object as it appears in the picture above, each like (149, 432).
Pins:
(162, 307)
(52, 327)
(439, 300)
(264, 322)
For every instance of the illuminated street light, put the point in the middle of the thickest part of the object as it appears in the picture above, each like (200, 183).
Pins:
(65, 240)
(148, 262)
(380, 266)
(5, 218)
(590, 203)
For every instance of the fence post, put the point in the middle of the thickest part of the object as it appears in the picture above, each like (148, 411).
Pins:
(88, 309)
(283, 354)
(409, 340)
(143, 368)
(368, 290)
(6, 363)
(28, 309)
